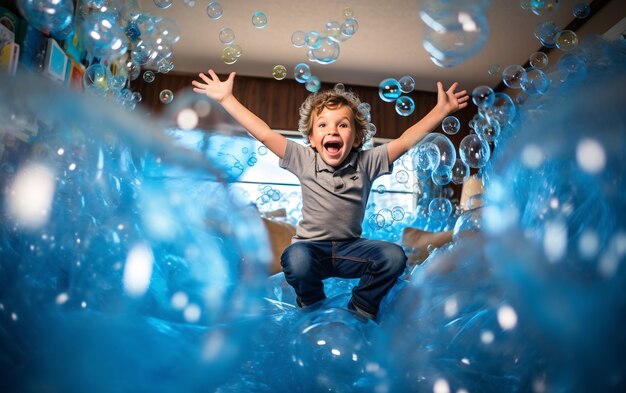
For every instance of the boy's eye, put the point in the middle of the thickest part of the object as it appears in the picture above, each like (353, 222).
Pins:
(321, 125)
(344, 125)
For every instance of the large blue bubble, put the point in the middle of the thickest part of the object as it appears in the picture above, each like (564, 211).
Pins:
(120, 245)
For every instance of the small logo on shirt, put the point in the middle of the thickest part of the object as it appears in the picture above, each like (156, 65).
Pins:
(355, 177)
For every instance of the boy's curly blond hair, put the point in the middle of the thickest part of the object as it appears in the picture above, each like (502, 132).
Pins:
(333, 99)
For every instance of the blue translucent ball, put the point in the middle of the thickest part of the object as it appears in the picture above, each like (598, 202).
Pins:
(331, 349)
(482, 96)
(450, 125)
(448, 37)
(535, 82)
(447, 150)
(312, 40)
(313, 84)
(349, 27)
(389, 90)
(513, 75)
(48, 16)
(327, 52)
(214, 10)
(259, 20)
(581, 10)
(546, 32)
(302, 72)
(474, 151)
(407, 84)
(460, 171)
(502, 110)
(130, 248)
(163, 4)
(405, 106)
(297, 38)
(442, 175)
(426, 156)
(440, 208)
(97, 79)
(104, 38)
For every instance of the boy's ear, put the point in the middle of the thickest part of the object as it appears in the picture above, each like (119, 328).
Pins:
(311, 141)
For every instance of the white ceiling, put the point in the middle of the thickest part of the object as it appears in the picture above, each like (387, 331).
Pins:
(387, 44)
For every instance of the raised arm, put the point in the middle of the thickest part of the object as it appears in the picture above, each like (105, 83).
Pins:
(448, 101)
(222, 91)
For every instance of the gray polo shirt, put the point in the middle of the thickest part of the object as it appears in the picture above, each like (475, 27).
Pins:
(333, 200)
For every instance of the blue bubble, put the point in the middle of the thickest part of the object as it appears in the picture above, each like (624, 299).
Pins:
(460, 171)
(402, 176)
(502, 110)
(48, 16)
(298, 38)
(397, 213)
(474, 151)
(451, 125)
(513, 75)
(440, 208)
(389, 90)
(97, 78)
(405, 106)
(538, 60)
(302, 72)
(227, 35)
(312, 40)
(453, 33)
(483, 96)
(163, 4)
(327, 52)
(214, 10)
(103, 38)
(166, 96)
(535, 82)
(546, 32)
(426, 157)
(543, 7)
(123, 264)
(581, 10)
(349, 27)
(259, 20)
(313, 84)
(442, 175)
(487, 130)
(447, 150)
(407, 84)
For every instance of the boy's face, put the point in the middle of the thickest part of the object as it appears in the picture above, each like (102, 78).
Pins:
(334, 134)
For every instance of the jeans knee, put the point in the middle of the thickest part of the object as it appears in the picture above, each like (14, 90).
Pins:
(296, 260)
(394, 258)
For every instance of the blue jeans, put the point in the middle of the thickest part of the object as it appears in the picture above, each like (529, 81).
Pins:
(378, 263)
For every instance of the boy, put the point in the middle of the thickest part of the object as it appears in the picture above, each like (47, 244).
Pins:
(336, 177)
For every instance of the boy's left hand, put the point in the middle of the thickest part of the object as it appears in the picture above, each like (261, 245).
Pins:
(450, 101)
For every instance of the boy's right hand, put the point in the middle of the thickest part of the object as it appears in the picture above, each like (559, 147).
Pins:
(213, 87)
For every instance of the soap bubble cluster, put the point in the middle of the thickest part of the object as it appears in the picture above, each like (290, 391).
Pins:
(324, 45)
(112, 32)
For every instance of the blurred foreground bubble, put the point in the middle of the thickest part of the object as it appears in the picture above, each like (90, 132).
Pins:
(106, 224)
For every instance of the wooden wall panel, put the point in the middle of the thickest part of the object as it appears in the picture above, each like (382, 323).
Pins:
(278, 102)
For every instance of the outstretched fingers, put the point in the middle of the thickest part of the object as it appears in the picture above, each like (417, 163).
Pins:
(452, 88)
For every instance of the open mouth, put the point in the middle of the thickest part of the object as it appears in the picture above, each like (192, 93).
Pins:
(332, 147)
